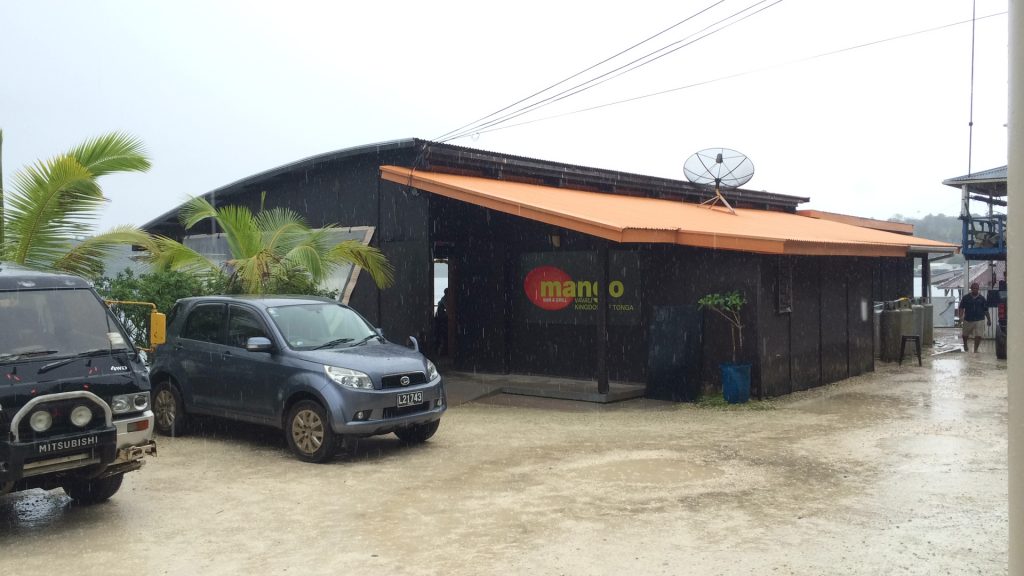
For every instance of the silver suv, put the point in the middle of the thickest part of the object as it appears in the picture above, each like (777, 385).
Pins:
(310, 366)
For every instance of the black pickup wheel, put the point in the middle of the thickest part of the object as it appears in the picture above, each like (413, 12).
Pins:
(93, 491)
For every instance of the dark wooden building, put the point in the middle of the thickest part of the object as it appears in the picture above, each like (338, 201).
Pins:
(578, 272)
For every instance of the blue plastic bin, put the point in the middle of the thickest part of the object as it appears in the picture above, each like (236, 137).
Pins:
(735, 382)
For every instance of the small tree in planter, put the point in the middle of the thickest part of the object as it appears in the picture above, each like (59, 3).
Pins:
(735, 377)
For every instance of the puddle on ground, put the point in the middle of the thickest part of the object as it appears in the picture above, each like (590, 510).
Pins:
(32, 509)
(944, 447)
(651, 471)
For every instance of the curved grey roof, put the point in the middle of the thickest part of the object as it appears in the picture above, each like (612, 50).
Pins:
(290, 167)
(425, 154)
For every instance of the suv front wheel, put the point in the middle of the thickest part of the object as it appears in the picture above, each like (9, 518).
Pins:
(168, 410)
(309, 432)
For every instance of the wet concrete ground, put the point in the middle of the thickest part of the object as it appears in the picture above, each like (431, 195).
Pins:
(902, 471)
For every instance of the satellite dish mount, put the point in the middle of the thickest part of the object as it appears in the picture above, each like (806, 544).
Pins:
(723, 168)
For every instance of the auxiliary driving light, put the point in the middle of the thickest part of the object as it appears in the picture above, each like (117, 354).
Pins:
(40, 421)
(141, 401)
(81, 416)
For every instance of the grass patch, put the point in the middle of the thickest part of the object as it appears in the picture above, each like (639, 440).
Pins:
(717, 402)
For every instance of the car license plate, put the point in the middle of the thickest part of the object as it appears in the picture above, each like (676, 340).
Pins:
(410, 398)
(68, 444)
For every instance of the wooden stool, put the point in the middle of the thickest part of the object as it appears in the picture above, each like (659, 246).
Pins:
(917, 346)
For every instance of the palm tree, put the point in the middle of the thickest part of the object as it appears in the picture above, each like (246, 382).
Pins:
(267, 248)
(51, 205)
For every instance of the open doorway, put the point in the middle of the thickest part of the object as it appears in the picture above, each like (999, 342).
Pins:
(442, 344)
(440, 338)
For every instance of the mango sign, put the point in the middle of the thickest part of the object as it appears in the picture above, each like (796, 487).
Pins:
(538, 287)
(551, 288)
(566, 288)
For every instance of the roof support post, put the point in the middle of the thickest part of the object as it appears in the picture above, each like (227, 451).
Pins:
(1015, 281)
(926, 277)
(602, 323)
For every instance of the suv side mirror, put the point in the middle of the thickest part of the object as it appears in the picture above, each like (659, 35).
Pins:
(259, 344)
(415, 343)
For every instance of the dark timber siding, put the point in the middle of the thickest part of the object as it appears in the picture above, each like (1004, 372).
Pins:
(805, 330)
(824, 333)
(774, 327)
(860, 311)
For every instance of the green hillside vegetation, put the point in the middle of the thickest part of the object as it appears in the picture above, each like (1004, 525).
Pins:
(936, 227)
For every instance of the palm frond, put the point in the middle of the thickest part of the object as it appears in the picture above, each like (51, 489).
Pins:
(308, 258)
(168, 254)
(194, 211)
(237, 223)
(49, 205)
(111, 153)
(87, 257)
(255, 272)
(282, 229)
(240, 230)
(2, 235)
(367, 257)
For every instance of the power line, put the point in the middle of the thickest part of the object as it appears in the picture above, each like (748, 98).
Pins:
(585, 70)
(740, 74)
(603, 78)
(475, 127)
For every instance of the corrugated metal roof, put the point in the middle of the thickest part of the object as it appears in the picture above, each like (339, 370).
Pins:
(980, 273)
(991, 182)
(897, 227)
(636, 219)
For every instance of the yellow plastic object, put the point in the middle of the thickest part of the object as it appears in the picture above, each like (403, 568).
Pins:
(157, 322)
(157, 328)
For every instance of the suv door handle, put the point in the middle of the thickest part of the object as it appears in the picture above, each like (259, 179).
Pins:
(178, 346)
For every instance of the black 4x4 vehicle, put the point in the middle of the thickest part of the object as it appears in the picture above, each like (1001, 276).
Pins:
(310, 366)
(74, 392)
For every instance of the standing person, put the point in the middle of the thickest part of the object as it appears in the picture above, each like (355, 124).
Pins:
(973, 308)
(441, 324)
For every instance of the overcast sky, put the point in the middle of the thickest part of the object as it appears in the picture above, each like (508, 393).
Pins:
(222, 90)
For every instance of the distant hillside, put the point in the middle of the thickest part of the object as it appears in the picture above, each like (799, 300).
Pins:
(936, 227)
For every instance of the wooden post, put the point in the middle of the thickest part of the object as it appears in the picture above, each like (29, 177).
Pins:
(926, 278)
(602, 324)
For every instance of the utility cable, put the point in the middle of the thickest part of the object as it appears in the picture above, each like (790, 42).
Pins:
(605, 77)
(479, 126)
(585, 70)
(740, 74)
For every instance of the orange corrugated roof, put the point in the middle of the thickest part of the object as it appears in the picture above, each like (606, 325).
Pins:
(897, 227)
(633, 219)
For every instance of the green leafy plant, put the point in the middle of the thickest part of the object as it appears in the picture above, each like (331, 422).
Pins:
(728, 306)
(48, 210)
(271, 251)
(162, 288)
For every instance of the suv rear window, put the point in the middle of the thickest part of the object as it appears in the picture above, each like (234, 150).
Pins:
(204, 323)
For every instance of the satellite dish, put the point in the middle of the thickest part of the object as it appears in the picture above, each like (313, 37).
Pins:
(723, 167)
